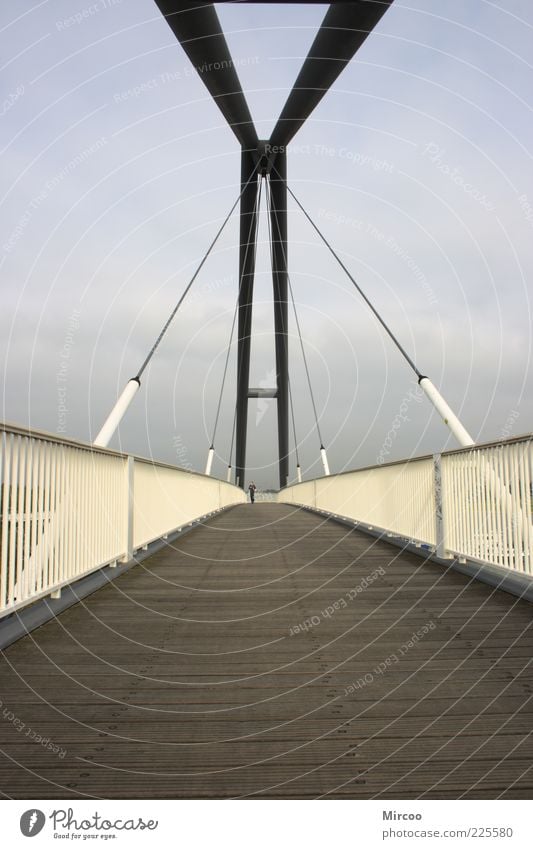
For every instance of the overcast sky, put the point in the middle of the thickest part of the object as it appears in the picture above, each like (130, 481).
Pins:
(117, 169)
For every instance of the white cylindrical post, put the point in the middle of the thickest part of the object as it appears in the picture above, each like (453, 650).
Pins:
(299, 473)
(461, 434)
(324, 458)
(228, 476)
(209, 463)
(115, 416)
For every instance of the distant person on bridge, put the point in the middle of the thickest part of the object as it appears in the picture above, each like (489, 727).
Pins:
(251, 489)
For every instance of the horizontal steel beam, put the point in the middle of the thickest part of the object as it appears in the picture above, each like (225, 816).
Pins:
(198, 30)
(343, 31)
(263, 393)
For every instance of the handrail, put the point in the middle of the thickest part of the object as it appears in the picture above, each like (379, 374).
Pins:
(48, 436)
(471, 503)
(468, 449)
(68, 509)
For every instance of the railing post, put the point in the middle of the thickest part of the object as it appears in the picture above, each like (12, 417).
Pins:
(440, 548)
(129, 478)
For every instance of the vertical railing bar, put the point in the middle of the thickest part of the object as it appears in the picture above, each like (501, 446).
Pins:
(53, 527)
(87, 459)
(40, 520)
(27, 524)
(112, 511)
(106, 519)
(466, 495)
(493, 486)
(60, 559)
(20, 518)
(461, 501)
(507, 507)
(439, 516)
(483, 504)
(529, 500)
(95, 497)
(91, 477)
(479, 484)
(453, 466)
(525, 506)
(454, 515)
(50, 528)
(7, 443)
(473, 506)
(491, 506)
(517, 511)
(73, 508)
(80, 561)
(70, 509)
(100, 509)
(502, 509)
(13, 519)
(2, 525)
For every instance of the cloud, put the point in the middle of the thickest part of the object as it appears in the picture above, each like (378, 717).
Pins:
(416, 166)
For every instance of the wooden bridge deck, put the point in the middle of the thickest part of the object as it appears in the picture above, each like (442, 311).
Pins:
(195, 675)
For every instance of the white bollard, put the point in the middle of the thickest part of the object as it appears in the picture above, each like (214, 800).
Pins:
(209, 463)
(324, 458)
(115, 416)
(299, 473)
(461, 434)
(228, 476)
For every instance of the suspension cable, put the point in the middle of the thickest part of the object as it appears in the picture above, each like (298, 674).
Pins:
(193, 278)
(271, 207)
(385, 326)
(293, 425)
(254, 218)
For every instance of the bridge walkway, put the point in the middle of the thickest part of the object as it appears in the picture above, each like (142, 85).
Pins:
(274, 654)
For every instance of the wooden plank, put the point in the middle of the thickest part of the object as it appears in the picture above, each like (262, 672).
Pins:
(274, 654)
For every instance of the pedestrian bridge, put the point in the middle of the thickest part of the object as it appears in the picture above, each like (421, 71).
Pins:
(165, 639)
(362, 635)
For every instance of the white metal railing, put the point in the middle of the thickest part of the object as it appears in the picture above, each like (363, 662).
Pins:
(68, 509)
(472, 503)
